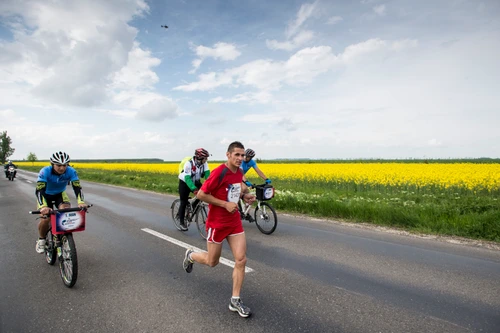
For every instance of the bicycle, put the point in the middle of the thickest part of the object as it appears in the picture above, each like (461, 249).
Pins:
(264, 214)
(200, 213)
(59, 242)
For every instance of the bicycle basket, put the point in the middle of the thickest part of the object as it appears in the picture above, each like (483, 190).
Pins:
(67, 222)
(264, 192)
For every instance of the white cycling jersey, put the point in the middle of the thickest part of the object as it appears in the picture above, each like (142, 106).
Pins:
(191, 169)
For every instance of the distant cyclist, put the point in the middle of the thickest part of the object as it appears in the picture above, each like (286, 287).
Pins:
(248, 163)
(190, 180)
(6, 168)
(50, 190)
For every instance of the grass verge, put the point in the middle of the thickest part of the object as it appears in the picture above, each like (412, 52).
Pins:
(440, 212)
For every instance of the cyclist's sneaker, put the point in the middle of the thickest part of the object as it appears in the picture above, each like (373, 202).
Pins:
(188, 263)
(40, 246)
(249, 218)
(237, 305)
(183, 226)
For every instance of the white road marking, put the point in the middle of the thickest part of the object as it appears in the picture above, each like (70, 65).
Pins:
(222, 260)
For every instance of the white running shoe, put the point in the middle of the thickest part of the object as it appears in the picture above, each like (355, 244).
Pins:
(40, 246)
(236, 305)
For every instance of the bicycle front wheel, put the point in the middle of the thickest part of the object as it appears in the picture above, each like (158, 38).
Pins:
(201, 220)
(175, 213)
(266, 218)
(50, 248)
(68, 261)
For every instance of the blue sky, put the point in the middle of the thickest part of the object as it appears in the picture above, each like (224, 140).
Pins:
(290, 79)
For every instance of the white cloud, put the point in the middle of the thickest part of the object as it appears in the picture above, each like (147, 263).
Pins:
(158, 110)
(305, 11)
(334, 20)
(379, 10)
(300, 39)
(7, 113)
(69, 65)
(130, 142)
(262, 118)
(371, 46)
(343, 90)
(301, 68)
(295, 36)
(288, 124)
(94, 60)
(434, 142)
(261, 97)
(415, 103)
(137, 72)
(208, 81)
(220, 51)
(196, 64)
(120, 113)
(135, 99)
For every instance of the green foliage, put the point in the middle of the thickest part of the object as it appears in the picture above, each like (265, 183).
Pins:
(121, 160)
(5, 147)
(31, 157)
(422, 210)
(378, 160)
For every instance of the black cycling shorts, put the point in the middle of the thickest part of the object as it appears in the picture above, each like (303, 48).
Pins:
(56, 199)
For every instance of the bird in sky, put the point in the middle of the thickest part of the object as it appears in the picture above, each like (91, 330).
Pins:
(165, 26)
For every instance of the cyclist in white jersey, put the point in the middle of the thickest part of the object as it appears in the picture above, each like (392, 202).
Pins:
(190, 180)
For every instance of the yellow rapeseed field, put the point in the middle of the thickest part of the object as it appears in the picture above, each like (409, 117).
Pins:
(476, 177)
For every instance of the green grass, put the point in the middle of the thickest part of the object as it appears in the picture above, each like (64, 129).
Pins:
(452, 212)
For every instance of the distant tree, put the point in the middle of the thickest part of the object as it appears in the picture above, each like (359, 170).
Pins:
(5, 149)
(32, 158)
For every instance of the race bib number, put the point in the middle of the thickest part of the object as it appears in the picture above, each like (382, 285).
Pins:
(233, 193)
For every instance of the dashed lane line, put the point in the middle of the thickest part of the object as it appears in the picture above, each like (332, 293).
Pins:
(222, 260)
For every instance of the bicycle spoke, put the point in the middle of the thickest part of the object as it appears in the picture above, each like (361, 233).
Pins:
(265, 218)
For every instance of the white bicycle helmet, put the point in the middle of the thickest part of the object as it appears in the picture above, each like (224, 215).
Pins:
(59, 158)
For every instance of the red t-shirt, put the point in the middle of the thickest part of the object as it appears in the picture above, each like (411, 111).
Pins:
(227, 188)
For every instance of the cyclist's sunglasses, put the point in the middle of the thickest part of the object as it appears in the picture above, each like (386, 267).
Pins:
(61, 165)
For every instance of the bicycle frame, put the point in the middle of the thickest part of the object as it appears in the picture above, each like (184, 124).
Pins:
(247, 206)
(197, 215)
(61, 245)
(264, 214)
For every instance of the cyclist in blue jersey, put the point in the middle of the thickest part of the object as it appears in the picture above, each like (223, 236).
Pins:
(248, 163)
(50, 190)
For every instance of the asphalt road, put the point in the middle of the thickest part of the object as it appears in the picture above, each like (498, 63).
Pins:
(309, 276)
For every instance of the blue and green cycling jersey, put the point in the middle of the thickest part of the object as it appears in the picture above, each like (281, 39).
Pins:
(245, 166)
(51, 183)
(56, 183)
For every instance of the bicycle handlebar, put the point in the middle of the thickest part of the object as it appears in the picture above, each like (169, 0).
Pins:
(259, 185)
(64, 210)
